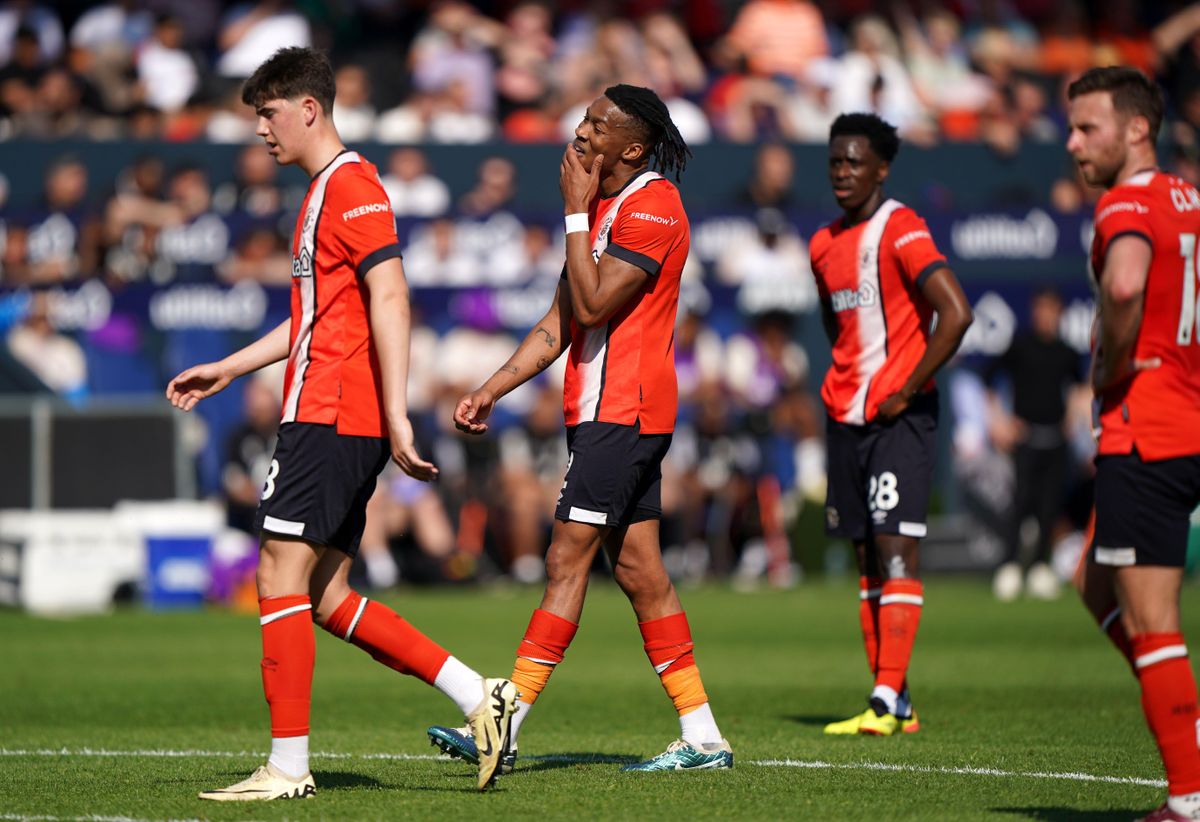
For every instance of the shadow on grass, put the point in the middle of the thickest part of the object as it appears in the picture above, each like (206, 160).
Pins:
(344, 781)
(813, 719)
(1071, 815)
(547, 762)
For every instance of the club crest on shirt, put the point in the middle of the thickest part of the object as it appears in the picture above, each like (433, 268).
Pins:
(310, 215)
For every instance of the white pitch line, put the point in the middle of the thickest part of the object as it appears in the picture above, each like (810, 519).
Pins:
(89, 818)
(814, 764)
(1072, 776)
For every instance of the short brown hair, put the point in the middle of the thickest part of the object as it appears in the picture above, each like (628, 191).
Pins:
(290, 73)
(1133, 93)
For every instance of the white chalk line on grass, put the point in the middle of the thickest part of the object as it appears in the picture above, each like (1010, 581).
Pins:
(812, 764)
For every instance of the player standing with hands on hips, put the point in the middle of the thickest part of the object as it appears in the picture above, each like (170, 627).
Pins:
(345, 414)
(1146, 376)
(627, 241)
(882, 280)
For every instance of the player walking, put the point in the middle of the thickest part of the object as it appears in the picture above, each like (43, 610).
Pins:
(345, 413)
(881, 280)
(627, 240)
(1146, 375)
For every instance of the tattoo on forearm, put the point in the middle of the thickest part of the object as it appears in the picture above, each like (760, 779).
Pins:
(509, 369)
(550, 338)
(543, 363)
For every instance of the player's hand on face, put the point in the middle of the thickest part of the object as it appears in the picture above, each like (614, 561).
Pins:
(196, 383)
(404, 452)
(472, 410)
(892, 407)
(578, 183)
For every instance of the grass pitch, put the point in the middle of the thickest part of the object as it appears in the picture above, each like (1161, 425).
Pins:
(128, 716)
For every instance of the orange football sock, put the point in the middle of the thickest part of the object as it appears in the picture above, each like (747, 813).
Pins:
(900, 605)
(542, 648)
(387, 637)
(668, 644)
(868, 617)
(1169, 701)
(289, 651)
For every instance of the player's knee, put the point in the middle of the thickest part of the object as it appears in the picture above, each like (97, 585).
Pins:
(564, 566)
(641, 583)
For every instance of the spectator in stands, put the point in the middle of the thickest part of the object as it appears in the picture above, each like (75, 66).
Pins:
(770, 265)
(451, 119)
(352, 109)
(1067, 47)
(125, 24)
(772, 180)
(434, 258)
(19, 76)
(524, 74)
(535, 259)
(231, 121)
(776, 37)
(132, 218)
(494, 190)
(1042, 372)
(55, 358)
(259, 255)
(809, 108)
(168, 74)
(195, 239)
(248, 450)
(254, 192)
(403, 507)
(61, 239)
(871, 78)
(942, 75)
(42, 21)
(532, 454)
(252, 32)
(452, 49)
(411, 187)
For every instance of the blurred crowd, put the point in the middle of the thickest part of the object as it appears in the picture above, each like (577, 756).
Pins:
(744, 483)
(450, 71)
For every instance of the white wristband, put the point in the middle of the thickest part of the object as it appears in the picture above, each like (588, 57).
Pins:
(577, 222)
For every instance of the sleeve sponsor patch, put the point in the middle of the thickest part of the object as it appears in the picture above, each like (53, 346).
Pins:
(369, 208)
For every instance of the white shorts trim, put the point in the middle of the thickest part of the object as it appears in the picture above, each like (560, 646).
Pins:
(1169, 652)
(1116, 556)
(590, 517)
(914, 529)
(285, 612)
(870, 593)
(283, 526)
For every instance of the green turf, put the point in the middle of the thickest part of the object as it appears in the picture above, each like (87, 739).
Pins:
(1024, 687)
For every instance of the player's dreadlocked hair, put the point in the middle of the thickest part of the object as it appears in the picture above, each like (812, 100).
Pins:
(648, 112)
(879, 133)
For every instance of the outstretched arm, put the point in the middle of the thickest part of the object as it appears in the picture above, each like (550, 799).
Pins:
(954, 317)
(390, 328)
(541, 347)
(201, 381)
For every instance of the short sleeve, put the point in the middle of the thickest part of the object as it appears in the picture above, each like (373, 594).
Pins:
(917, 255)
(364, 226)
(1120, 212)
(648, 227)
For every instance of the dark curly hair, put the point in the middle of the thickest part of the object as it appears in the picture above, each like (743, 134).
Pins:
(879, 133)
